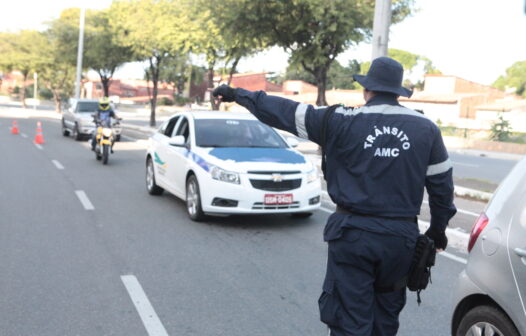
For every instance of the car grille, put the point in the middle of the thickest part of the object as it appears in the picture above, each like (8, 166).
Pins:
(266, 172)
(270, 185)
(262, 206)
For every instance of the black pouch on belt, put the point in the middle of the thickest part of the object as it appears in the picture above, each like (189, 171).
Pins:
(424, 258)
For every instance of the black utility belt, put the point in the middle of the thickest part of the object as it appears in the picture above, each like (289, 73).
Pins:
(352, 212)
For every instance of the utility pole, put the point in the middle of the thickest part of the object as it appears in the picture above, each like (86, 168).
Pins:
(80, 52)
(381, 24)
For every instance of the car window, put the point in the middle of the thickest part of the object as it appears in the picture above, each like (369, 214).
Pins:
(170, 126)
(85, 107)
(183, 129)
(236, 133)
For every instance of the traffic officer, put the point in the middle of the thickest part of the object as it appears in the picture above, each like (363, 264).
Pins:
(379, 159)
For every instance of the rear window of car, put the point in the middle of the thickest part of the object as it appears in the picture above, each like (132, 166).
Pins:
(87, 107)
(236, 133)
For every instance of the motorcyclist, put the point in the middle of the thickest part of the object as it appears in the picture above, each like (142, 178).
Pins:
(102, 118)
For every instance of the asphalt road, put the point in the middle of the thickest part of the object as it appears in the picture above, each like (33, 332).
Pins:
(84, 250)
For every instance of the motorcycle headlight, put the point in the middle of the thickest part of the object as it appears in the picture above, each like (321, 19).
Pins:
(312, 175)
(223, 175)
(106, 132)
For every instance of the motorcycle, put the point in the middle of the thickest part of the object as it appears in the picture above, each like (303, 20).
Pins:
(104, 140)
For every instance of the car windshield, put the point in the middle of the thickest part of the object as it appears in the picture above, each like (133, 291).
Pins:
(84, 107)
(236, 133)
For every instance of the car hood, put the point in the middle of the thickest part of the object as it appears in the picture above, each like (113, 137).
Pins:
(242, 159)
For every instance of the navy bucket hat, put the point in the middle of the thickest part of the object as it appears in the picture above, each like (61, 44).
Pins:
(384, 75)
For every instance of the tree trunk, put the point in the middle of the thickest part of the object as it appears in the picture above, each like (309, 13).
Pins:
(215, 104)
(233, 69)
(23, 93)
(155, 68)
(321, 83)
(106, 82)
(56, 99)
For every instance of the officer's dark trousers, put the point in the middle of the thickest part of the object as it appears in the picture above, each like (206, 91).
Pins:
(357, 262)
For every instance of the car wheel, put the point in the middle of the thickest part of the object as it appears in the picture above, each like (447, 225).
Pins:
(118, 137)
(76, 134)
(151, 186)
(301, 214)
(193, 200)
(486, 320)
(65, 131)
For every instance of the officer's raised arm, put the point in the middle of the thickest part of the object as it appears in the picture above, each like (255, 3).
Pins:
(300, 119)
(439, 185)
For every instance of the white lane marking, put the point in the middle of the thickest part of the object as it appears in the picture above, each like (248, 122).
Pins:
(465, 164)
(57, 164)
(466, 212)
(453, 257)
(84, 200)
(23, 135)
(149, 318)
(39, 147)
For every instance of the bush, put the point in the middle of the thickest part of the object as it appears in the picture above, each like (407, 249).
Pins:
(45, 93)
(165, 101)
(181, 101)
(500, 129)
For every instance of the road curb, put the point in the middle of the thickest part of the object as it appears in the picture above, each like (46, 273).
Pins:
(472, 193)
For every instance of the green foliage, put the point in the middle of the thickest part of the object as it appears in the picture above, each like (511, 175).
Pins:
(501, 129)
(165, 101)
(515, 78)
(102, 52)
(314, 31)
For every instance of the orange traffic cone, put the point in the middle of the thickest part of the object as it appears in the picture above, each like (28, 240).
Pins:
(39, 138)
(14, 128)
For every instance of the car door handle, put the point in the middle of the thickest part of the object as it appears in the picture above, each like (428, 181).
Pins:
(520, 252)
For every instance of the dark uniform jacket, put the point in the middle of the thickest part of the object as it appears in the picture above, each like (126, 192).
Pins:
(379, 159)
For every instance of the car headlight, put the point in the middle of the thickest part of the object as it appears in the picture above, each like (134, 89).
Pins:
(223, 175)
(312, 175)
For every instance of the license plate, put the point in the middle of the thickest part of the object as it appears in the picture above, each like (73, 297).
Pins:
(278, 199)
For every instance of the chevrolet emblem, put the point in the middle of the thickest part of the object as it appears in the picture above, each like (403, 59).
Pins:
(277, 177)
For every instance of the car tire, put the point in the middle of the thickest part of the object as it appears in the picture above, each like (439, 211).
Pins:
(76, 134)
(65, 131)
(118, 137)
(151, 186)
(486, 320)
(301, 214)
(193, 200)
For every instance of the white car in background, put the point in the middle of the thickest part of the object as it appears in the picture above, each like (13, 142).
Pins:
(230, 163)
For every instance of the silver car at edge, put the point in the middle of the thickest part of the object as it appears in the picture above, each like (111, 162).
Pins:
(491, 291)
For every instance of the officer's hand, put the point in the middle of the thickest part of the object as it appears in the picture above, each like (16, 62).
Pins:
(225, 93)
(439, 238)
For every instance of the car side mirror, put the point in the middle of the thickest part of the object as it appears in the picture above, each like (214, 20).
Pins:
(293, 142)
(177, 140)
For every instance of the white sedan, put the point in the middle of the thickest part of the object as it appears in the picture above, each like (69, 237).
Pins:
(230, 163)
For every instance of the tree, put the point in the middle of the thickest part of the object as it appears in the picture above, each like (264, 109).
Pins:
(57, 58)
(501, 129)
(213, 33)
(19, 52)
(152, 29)
(515, 78)
(102, 53)
(315, 32)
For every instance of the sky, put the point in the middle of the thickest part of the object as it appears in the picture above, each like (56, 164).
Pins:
(473, 39)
